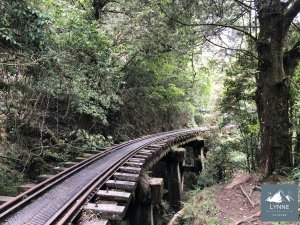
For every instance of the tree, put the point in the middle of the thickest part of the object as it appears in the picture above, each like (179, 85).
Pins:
(58, 81)
(264, 24)
(275, 67)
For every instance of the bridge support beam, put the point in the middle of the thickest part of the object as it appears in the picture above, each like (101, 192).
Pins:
(140, 209)
(197, 147)
(157, 189)
(146, 206)
(174, 164)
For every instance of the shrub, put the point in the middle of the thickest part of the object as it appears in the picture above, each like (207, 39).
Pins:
(9, 181)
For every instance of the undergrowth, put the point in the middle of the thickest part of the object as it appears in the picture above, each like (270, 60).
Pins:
(221, 161)
(295, 178)
(9, 181)
(201, 208)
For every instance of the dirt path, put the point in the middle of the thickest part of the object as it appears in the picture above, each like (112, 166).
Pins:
(236, 208)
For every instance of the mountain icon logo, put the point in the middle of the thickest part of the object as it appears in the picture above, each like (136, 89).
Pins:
(279, 197)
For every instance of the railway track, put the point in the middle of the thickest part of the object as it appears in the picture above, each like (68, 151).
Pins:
(59, 199)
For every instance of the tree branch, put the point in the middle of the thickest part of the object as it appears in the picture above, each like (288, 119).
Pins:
(291, 59)
(11, 159)
(249, 199)
(237, 28)
(243, 5)
(296, 27)
(29, 117)
(51, 133)
(257, 214)
(292, 11)
(113, 11)
(288, 2)
(232, 49)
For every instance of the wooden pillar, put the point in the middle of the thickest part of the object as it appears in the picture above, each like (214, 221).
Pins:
(181, 170)
(156, 188)
(140, 209)
(197, 146)
(146, 207)
(175, 160)
(159, 170)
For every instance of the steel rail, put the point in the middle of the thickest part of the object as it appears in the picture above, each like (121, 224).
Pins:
(27, 197)
(42, 187)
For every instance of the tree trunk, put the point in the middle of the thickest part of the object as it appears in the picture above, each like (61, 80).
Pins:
(297, 147)
(273, 90)
(98, 6)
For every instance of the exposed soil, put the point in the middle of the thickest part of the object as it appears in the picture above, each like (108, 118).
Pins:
(235, 207)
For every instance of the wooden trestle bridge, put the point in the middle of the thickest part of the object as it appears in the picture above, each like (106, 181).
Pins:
(109, 185)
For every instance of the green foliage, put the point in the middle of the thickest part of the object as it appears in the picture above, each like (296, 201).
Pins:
(160, 93)
(87, 141)
(70, 83)
(239, 107)
(295, 115)
(294, 177)
(28, 162)
(200, 207)
(53, 157)
(63, 80)
(22, 26)
(220, 164)
(9, 181)
(87, 75)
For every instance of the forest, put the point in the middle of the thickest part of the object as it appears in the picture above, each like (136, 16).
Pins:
(81, 75)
